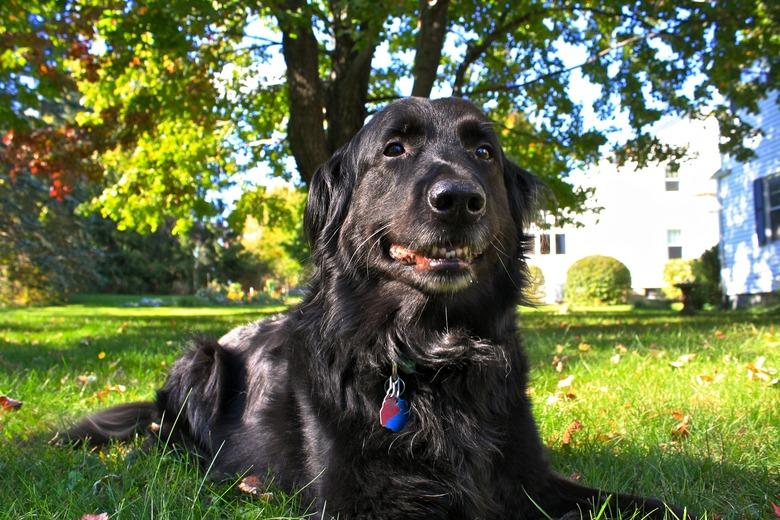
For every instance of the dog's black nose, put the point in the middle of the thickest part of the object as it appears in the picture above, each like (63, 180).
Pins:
(454, 198)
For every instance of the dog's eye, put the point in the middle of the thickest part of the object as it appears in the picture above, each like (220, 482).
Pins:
(394, 150)
(484, 152)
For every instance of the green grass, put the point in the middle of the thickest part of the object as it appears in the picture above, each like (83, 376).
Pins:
(728, 464)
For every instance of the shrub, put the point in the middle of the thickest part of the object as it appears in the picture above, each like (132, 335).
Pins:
(535, 289)
(597, 280)
(704, 272)
(707, 273)
(677, 271)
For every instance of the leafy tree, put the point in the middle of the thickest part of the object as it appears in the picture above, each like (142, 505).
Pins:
(45, 252)
(164, 100)
(274, 234)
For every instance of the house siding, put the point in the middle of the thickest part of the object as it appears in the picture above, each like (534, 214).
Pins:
(748, 268)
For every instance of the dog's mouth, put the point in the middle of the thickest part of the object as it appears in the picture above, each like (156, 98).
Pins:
(436, 258)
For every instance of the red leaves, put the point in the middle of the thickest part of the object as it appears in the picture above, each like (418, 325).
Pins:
(8, 404)
(775, 509)
(99, 516)
(62, 154)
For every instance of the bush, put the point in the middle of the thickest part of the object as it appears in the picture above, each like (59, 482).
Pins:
(704, 272)
(597, 280)
(677, 271)
(707, 273)
(535, 289)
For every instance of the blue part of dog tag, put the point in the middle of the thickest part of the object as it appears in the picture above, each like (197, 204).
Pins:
(394, 413)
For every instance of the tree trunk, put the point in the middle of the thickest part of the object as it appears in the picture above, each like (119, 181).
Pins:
(306, 130)
(348, 89)
(430, 40)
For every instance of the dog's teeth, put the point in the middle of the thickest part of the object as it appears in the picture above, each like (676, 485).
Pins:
(450, 255)
(460, 252)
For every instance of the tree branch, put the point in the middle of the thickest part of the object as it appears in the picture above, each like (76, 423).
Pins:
(593, 58)
(430, 40)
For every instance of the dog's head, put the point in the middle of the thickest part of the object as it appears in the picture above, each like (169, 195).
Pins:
(423, 195)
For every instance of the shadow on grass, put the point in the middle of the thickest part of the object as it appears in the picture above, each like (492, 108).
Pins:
(675, 477)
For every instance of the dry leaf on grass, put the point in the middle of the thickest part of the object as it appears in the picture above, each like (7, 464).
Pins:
(775, 509)
(85, 379)
(560, 396)
(103, 393)
(683, 428)
(566, 382)
(682, 360)
(584, 347)
(574, 426)
(251, 486)
(100, 516)
(757, 371)
(8, 404)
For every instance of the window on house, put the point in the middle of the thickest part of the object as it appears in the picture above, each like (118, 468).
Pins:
(560, 244)
(544, 244)
(673, 246)
(766, 197)
(672, 179)
(532, 244)
(773, 206)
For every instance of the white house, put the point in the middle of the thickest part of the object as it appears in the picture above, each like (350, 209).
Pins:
(749, 197)
(649, 216)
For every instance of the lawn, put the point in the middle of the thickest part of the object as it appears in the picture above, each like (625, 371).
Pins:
(647, 402)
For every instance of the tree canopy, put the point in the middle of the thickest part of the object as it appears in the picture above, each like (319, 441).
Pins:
(160, 103)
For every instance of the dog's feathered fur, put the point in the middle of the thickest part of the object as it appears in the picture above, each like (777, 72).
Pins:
(298, 396)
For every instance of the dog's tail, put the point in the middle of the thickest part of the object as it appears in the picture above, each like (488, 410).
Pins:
(116, 423)
(567, 491)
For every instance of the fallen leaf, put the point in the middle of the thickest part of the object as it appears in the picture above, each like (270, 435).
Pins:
(251, 486)
(102, 355)
(574, 426)
(85, 379)
(100, 516)
(756, 371)
(682, 360)
(584, 347)
(609, 436)
(682, 428)
(615, 359)
(719, 334)
(575, 476)
(566, 382)
(776, 509)
(102, 393)
(9, 405)
(621, 348)
(559, 348)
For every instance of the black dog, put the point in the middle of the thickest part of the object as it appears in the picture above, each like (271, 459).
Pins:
(415, 227)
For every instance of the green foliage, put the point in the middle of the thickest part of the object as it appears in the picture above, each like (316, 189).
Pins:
(706, 271)
(677, 271)
(535, 290)
(273, 233)
(703, 272)
(45, 252)
(597, 280)
(161, 102)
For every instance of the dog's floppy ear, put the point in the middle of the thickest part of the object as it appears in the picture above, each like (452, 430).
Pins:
(328, 199)
(525, 191)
